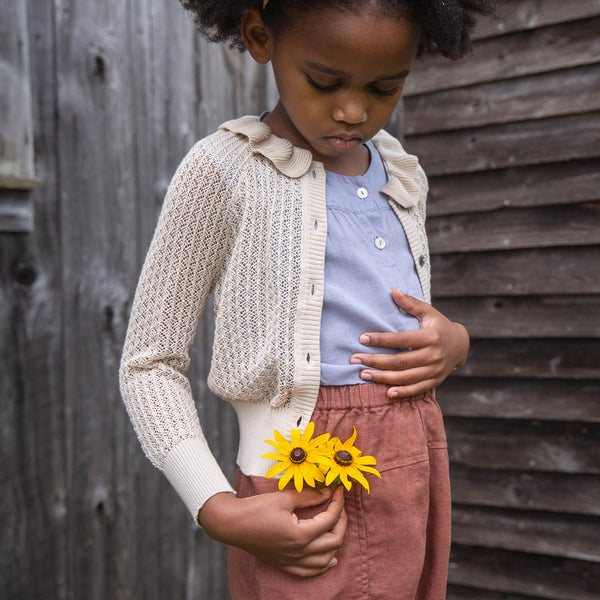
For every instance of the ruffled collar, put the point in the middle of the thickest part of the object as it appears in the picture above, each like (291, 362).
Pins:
(402, 168)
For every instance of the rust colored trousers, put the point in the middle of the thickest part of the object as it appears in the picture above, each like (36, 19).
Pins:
(397, 541)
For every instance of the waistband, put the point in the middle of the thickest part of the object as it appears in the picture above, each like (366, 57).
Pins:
(361, 395)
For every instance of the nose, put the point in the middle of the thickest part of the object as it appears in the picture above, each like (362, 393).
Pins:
(352, 111)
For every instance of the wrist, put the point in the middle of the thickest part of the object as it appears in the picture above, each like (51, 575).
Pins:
(215, 516)
(464, 342)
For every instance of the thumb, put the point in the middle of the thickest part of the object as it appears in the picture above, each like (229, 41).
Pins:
(409, 304)
(309, 496)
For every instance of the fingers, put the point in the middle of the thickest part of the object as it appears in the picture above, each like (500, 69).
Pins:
(328, 529)
(327, 520)
(309, 496)
(409, 304)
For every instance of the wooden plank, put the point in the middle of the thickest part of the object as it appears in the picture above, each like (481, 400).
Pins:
(461, 592)
(557, 400)
(538, 185)
(16, 211)
(571, 225)
(522, 573)
(567, 92)
(32, 407)
(16, 134)
(552, 271)
(532, 358)
(568, 536)
(554, 492)
(524, 445)
(522, 317)
(98, 185)
(512, 144)
(516, 15)
(514, 55)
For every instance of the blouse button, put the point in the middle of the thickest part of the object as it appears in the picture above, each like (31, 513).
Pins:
(379, 243)
(362, 193)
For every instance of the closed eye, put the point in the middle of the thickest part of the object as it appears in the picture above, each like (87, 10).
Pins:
(323, 88)
(380, 92)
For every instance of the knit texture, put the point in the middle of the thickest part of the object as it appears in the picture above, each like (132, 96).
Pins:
(244, 218)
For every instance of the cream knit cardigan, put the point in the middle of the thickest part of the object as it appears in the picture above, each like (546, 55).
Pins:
(244, 217)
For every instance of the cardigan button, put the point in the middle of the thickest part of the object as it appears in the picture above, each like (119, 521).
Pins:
(422, 260)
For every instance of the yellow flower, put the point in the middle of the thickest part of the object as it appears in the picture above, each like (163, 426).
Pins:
(300, 459)
(349, 462)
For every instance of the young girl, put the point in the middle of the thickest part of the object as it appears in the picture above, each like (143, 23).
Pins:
(307, 225)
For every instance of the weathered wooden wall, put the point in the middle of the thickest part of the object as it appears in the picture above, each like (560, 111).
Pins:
(120, 91)
(511, 141)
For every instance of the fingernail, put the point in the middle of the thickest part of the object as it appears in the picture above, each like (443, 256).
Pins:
(393, 394)
(355, 361)
(365, 339)
(366, 376)
(334, 561)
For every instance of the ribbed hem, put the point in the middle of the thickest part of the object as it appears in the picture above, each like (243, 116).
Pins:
(195, 474)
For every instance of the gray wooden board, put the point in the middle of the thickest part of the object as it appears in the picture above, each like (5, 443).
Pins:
(517, 54)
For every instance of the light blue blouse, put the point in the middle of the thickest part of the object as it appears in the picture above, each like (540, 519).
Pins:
(367, 254)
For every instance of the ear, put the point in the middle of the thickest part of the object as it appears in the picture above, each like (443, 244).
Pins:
(256, 35)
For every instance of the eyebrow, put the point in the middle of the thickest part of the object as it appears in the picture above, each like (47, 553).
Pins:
(329, 71)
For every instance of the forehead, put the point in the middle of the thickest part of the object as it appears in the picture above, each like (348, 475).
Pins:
(352, 41)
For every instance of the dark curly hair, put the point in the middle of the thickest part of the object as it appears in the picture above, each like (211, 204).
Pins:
(446, 25)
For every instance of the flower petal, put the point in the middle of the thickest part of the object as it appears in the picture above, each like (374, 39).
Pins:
(274, 456)
(282, 441)
(332, 474)
(318, 441)
(365, 460)
(306, 474)
(308, 432)
(358, 476)
(296, 438)
(278, 468)
(278, 447)
(344, 479)
(286, 477)
(350, 441)
(315, 471)
(369, 470)
(298, 478)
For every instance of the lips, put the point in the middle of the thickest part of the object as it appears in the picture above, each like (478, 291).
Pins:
(344, 142)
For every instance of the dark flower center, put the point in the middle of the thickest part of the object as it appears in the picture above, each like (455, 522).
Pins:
(297, 455)
(343, 458)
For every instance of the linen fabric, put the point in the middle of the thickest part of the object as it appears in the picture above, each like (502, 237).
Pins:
(397, 540)
(244, 218)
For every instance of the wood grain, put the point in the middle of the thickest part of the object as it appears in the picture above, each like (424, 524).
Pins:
(569, 536)
(524, 317)
(572, 225)
(517, 54)
(568, 92)
(501, 146)
(523, 573)
(519, 186)
(523, 490)
(529, 272)
(516, 399)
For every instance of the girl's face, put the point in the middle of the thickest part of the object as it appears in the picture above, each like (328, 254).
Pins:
(339, 77)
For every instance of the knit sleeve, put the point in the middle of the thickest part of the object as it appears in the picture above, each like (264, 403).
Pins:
(186, 255)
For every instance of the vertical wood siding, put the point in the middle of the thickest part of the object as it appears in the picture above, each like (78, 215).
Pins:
(121, 90)
(510, 140)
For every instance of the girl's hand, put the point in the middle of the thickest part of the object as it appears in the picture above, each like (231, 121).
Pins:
(267, 527)
(428, 356)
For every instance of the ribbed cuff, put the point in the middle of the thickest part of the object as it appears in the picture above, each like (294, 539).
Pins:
(195, 474)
